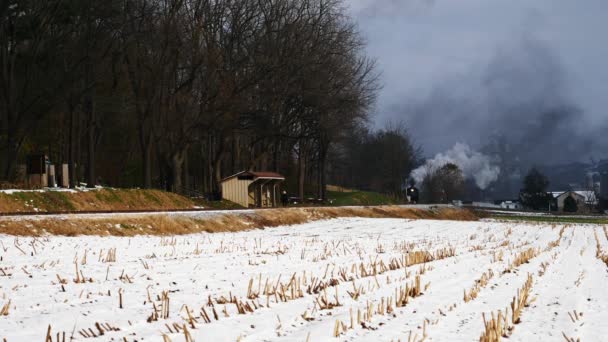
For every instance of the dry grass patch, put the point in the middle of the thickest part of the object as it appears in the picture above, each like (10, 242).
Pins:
(229, 222)
(92, 200)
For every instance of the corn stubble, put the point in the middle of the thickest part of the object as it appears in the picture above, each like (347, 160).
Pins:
(5, 308)
(501, 325)
(386, 306)
(479, 284)
(599, 253)
(335, 287)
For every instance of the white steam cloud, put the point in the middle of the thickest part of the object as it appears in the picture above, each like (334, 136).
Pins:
(474, 165)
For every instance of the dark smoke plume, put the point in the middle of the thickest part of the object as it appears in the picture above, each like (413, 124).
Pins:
(519, 98)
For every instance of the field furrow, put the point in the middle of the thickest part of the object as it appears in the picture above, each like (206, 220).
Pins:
(342, 279)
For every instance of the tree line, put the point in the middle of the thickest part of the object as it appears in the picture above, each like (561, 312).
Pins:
(178, 94)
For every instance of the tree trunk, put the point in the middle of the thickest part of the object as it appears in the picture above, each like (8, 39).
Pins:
(146, 149)
(321, 170)
(264, 161)
(91, 176)
(210, 183)
(216, 164)
(78, 152)
(217, 172)
(276, 155)
(301, 172)
(12, 150)
(165, 173)
(92, 141)
(237, 155)
(205, 165)
(72, 148)
(177, 163)
(321, 180)
(186, 171)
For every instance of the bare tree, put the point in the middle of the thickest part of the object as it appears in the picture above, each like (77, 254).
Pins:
(443, 184)
(205, 87)
(30, 36)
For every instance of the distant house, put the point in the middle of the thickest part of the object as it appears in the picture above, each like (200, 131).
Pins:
(583, 198)
(509, 204)
(485, 205)
(253, 189)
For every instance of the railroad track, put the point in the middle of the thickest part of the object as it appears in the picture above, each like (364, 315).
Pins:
(175, 211)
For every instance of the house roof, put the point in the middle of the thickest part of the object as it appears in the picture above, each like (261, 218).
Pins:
(557, 194)
(256, 175)
(266, 174)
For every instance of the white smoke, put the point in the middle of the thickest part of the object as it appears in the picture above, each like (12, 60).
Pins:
(474, 165)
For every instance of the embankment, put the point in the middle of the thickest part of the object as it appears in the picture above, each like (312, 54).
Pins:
(218, 221)
(106, 199)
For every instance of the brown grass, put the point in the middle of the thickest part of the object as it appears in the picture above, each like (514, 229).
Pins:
(93, 200)
(228, 222)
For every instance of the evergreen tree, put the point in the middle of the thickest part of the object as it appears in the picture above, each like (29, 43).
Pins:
(570, 205)
(534, 194)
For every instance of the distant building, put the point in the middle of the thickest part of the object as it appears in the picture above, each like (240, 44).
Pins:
(485, 205)
(253, 189)
(509, 204)
(584, 199)
(457, 203)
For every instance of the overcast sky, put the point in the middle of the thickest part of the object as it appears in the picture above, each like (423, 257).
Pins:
(453, 69)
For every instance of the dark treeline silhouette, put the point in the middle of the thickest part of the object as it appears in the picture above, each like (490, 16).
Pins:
(378, 160)
(443, 184)
(181, 93)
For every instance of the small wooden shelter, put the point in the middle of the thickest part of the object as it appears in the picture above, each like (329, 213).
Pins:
(253, 189)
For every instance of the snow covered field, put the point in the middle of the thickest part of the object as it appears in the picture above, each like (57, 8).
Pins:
(358, 279)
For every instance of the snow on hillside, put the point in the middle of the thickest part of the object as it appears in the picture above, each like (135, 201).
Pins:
(358, 279)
